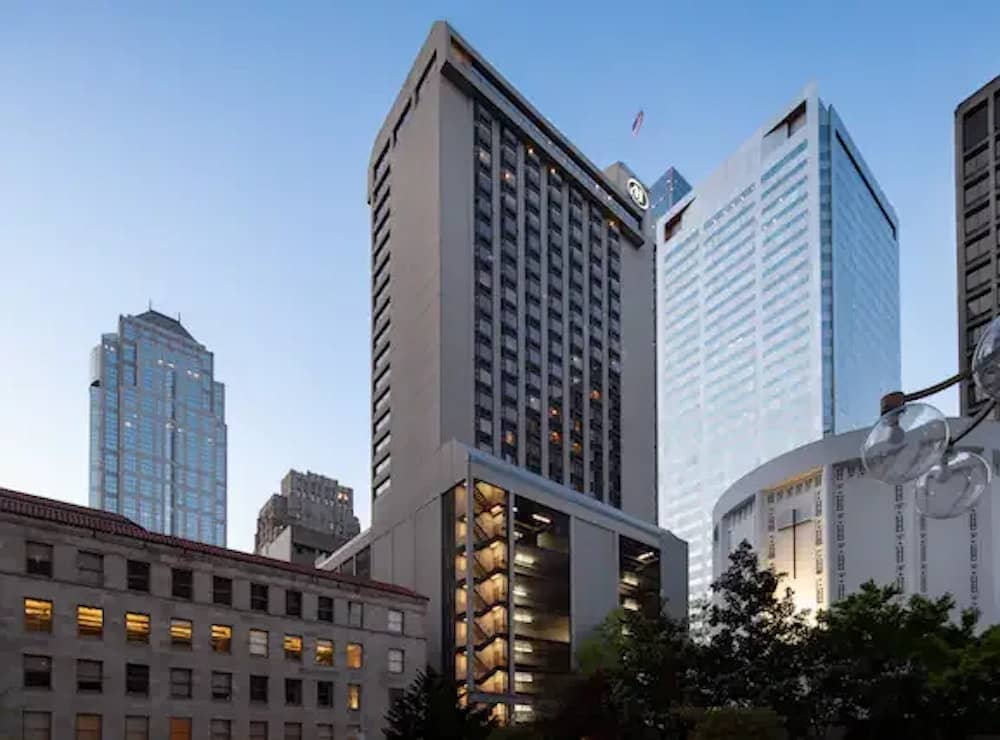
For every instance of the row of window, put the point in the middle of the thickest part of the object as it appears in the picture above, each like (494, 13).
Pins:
(90, 571)
(38, 726)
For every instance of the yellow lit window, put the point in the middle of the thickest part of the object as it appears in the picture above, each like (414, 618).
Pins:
(37, 615)
(354, 655)
(136, 627)
(89, 621)
(180, 632)
(353, 696)
(293, 647)
(222, 638)
(324, 652)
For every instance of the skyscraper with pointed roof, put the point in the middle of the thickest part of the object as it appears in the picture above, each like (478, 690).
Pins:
(158, 429)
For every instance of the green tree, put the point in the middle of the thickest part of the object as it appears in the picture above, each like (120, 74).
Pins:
(428, 711)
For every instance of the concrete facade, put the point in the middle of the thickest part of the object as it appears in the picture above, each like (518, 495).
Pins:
(361, 613)
(815, 515)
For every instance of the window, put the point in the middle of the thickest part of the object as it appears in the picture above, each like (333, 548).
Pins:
(395, 621)
(395, 695)
(355, 613)
(258, 597)
(220, 729)
(353, 696)
(258, 689)
(138, 576)
(293, 692)
(37, 672)
(180, 632)
(324, 693)
(90, 568)
(137, 679)
(36, 726)
(293, 603)
(37, 615)
(137, 728)
(38, 559)
(293, 647)
(180, 728)
(258, 642)
(136, 627)
(395, 660)
(222, 638)
(180, 683)
(89, 621)
(222, 686)
(88, 727)
(258, 731)
(324, 652)
(354, 655)
(324, 609)
(89, 676)
(222, 591)
(324, 732)
(293, 731)
(182, 583)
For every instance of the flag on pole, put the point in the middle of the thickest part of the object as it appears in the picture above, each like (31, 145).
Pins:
(637, 123)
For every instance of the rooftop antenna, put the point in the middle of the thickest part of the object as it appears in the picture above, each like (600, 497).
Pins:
(150, 304)
(179, 317)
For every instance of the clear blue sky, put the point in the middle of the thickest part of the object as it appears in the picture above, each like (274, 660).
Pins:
(211, 157)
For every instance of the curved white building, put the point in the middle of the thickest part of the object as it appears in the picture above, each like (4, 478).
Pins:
(814, 514)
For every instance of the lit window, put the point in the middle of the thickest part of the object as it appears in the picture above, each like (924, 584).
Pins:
(222, 638)
(258, 642)
(395, 621)
(324, 652)
(293, 647)
(136, 627)
(353, 696)
(37, 615)
(354, 655)
(395, 661)
(89, 621)
(180, 632)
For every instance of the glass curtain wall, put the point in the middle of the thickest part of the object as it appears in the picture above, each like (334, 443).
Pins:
(638, 577)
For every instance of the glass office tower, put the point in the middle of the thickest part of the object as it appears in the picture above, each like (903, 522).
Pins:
(158, 429)
(777, 311)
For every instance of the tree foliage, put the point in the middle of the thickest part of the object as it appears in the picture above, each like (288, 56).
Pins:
(428, 711)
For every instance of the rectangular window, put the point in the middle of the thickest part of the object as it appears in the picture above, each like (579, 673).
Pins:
(395, 621)
(89, 676)
(37, 672)
(258, 731)
(181, 631)
(38, 559)
(355, 656)
(88, 727)
(324, 652)
(324, 732)
(324, 609)
(36, 726)
(395, 660)
(90, 568)
(137, 679)
(89, 621)
(37, 615)
(222, 686)
(138, 576)
(220, 729)
(293, 692)
(180, 683)
(355, 613)
(258, 689)
(354, 696)
(293, 647)
(293, 731)
(222, 638)
(222, 591)
(258, 597)
(180, 728)
(324, 693)
(293, 603)
(137, 728)
(182, 583)
(136, 627)
(258, 642)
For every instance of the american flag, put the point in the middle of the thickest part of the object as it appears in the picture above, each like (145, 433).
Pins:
(637, 123)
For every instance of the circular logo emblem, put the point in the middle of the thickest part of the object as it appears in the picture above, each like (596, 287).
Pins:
(639, 195)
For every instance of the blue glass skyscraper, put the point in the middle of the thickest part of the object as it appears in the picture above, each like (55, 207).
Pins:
(669, 188)
(777, 312)
(158, 429)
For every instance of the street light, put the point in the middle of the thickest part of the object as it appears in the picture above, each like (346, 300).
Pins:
(913, 442)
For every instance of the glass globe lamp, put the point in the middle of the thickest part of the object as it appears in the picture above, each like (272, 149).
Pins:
(905, 443)
(986, 361)
(953, 486)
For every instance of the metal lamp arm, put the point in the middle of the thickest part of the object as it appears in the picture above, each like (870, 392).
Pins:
(896, 399)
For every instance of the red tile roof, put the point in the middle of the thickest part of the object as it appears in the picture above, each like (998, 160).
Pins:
(60, 512)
